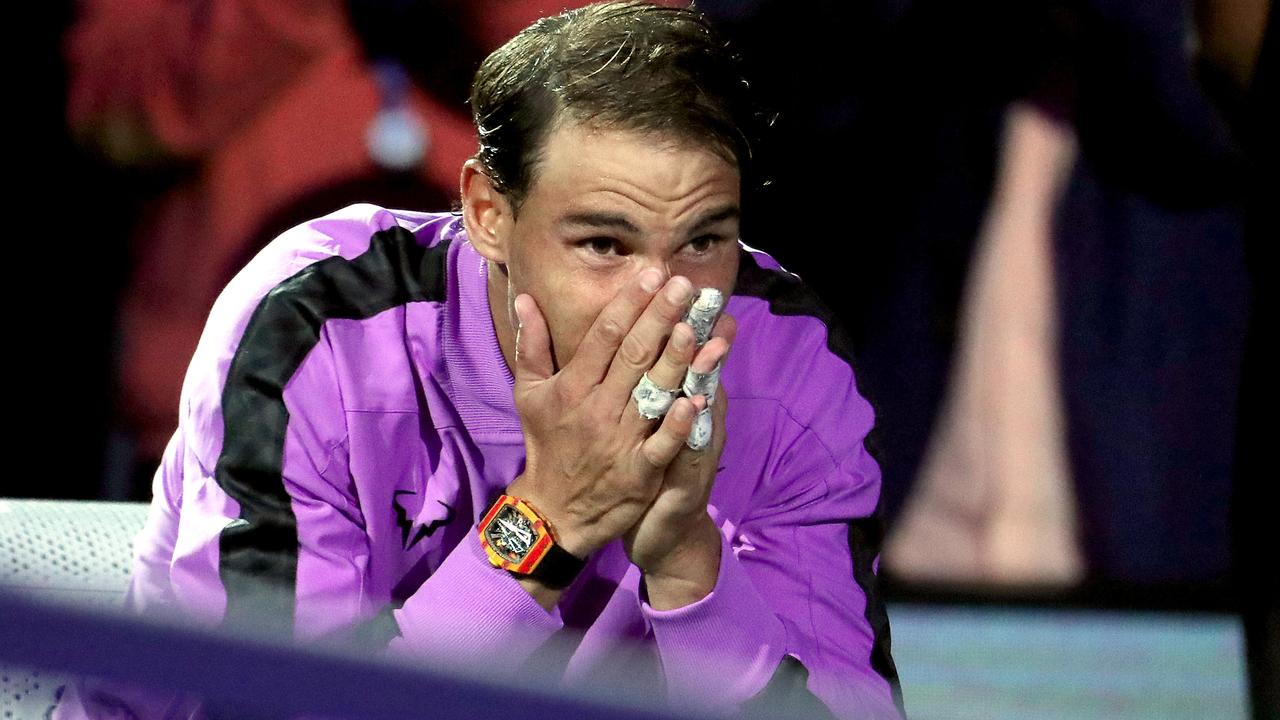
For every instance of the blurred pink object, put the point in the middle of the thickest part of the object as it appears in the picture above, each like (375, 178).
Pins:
(995, 502)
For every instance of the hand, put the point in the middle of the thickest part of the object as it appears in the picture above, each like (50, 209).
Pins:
(593, 464)
(671, 540)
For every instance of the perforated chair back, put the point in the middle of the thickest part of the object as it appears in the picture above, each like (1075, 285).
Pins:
(78, 552)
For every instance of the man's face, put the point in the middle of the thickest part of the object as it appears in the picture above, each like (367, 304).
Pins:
(606, 204)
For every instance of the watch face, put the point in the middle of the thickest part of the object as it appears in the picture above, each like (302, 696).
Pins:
(511, 534)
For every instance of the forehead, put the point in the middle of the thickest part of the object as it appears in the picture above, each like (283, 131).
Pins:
(652, 176)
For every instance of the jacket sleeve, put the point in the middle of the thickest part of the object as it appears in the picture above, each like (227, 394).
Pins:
(256, 524)
(313, 583)
(441, 620)
(330, 596)
(790, 586)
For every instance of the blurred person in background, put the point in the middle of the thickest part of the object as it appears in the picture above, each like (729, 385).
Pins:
(1019, 123)
(431, 426)
(1050, 309)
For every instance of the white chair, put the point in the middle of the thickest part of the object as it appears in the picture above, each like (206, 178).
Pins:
(61, 551)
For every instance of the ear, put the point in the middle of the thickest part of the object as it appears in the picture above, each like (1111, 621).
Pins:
(486, 213)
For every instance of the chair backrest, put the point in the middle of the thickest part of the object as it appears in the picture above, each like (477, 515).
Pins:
(78, 552)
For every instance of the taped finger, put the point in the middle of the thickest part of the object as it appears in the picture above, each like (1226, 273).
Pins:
(700, 433)
(702, 314)
(702, 383)
(652, 400)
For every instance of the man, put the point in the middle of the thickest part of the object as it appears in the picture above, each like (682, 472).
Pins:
(438, 415)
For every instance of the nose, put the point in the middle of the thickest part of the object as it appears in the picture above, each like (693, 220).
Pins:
(662, 265)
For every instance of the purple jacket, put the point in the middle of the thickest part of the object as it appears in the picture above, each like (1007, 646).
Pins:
(348, 417)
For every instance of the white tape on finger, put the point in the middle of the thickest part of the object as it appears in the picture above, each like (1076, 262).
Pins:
(703, 313)
(651, 400)
(704, 384)
(700, 434)
(702, 317)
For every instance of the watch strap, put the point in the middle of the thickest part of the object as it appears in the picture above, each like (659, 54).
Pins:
(546, 562)
(558, 568)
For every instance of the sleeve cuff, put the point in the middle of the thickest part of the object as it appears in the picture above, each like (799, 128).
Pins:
(722, 649)
(471, 610)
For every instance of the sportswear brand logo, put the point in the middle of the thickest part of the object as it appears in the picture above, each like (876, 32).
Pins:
(406, 525)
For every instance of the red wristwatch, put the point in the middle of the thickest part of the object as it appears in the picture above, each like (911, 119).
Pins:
(517, 538)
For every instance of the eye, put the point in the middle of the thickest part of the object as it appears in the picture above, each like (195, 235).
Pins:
(703, 243)
(601, 245)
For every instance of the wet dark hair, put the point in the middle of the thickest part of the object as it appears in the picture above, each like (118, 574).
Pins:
(628, 65)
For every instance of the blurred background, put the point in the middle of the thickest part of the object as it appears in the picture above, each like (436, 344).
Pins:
(1032, 217)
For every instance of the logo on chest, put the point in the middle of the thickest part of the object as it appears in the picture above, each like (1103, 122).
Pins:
(410, 533)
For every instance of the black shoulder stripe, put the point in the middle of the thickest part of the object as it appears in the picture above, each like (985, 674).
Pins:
(259, 552)
(787, 295)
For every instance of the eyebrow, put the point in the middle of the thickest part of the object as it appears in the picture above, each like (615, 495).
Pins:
(615, 221)
(600, 220)
(728, 212)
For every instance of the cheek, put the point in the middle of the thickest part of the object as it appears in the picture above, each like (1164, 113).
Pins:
(574, 305)
(571, 295)
(721, 275)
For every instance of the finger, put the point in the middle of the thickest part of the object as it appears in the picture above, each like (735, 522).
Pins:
(705, 463)
(704, 311)
(708, 430)
(702, 374)
(717, 347)
(660, 448)
(533, 343)
(721, 408)
(646, 339)
(702, 383)
(649, 401)
(670, 369)
(720, 411)
(596, 351)
(709, 355)
(701, 431)
(718, 404)
(726, 327)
